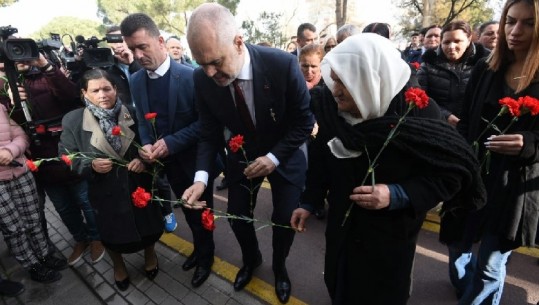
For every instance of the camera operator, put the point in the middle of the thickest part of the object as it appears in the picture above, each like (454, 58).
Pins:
(124, 66)
(50, 95)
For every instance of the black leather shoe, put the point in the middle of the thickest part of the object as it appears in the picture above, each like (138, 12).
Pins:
(200, 276)
(123, 284)
(151, 274)
(223, 185)
(245, 274)
(283, 287)
(190, 262)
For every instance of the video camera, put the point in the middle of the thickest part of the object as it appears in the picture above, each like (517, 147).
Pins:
(14, 50)
(94, 56)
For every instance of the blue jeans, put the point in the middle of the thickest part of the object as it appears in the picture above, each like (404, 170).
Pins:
(487, 282)
(69, 200)
(462, 265)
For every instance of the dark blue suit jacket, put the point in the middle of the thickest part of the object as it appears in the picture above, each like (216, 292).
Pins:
(283, 117)
(182, 114)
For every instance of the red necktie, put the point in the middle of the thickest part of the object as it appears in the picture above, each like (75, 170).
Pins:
(242, 107)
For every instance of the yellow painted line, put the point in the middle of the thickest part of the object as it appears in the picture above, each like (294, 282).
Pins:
(257, 287)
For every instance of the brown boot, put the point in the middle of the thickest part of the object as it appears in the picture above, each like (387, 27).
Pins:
(78, 252)
(97, 251)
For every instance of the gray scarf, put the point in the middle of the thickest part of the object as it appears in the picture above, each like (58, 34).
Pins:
(107, 118)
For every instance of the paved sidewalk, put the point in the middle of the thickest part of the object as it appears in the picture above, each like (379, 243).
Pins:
(90, 284)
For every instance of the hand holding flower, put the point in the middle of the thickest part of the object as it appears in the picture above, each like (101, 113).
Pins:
(297, 221)
(136, 166)
(193, 193)
(101, 165)
(260, 167)
(507, 144)
(371, 197)
(145, 152)
(159, 150)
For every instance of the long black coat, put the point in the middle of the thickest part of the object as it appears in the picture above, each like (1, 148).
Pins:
(513, 181)
(118, 220)
(372, 253)
(445, 82)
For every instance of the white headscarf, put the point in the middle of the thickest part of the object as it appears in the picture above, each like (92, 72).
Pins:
(372, 70)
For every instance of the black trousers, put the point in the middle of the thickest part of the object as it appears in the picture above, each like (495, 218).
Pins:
(241, 202)
(204, 246)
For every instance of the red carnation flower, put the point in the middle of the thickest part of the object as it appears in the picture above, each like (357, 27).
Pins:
(116, 131)
(208, 220)
(415, 65)
(67, 160)
(417, 97)
(236, 143)
(512, 105)
(40, 129)
(150, 116)
(140, 197)
(33, 166)
(532, 104)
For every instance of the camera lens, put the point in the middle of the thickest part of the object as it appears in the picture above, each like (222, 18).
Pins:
(17, 50)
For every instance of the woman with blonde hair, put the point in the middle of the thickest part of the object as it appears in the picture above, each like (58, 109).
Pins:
(510, 218)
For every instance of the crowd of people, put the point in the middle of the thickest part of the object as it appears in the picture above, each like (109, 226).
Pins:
(422, 127)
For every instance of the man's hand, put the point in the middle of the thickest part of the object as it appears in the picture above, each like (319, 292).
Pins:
(192, 194)
(159, 149)
(123, 54)
(5, 156)
(102, 165)
(508, 144)
(135, 166)
(297, 221)
(371, 197)
(146, 152)
(453, 120)
(260, 167)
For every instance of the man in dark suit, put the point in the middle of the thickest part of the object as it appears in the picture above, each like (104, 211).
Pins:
(166, 88)
(306, 35)
(257, 92)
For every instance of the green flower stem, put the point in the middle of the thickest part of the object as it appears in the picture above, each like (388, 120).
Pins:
(221, 214)
(487, 156)
(372, 164)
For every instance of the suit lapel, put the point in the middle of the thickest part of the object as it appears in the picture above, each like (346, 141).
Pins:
(261, 90)
(98, 140)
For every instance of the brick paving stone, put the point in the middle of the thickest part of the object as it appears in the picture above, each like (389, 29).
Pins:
(194, 299)
(157, 294)
(136, 297)
(172, 301)
(104, 291)
(214, 296)
(116, 300)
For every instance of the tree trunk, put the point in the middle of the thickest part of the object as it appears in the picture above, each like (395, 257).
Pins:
(428, 13)
(341, 8)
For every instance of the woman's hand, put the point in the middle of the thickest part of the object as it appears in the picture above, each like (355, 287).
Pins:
(5, 156)
(136, 166)
(508, 144)
(371, 197)
(101, 165)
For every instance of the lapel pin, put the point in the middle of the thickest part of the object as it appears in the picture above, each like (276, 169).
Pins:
(272, 115)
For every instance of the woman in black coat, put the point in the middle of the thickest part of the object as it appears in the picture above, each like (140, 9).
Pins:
(114, 170)
(370, 252)
(445, 71)
(510, 218)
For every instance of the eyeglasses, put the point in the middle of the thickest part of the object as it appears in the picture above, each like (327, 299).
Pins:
(329, 47)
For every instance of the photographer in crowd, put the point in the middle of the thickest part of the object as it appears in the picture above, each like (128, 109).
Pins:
(50, 95)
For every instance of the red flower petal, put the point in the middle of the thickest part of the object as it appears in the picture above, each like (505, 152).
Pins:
(40, 129)
(32, 166)
(150, 115)
(236, 143)
(116, 130)
(417, 96)
(208, 220)
(67, 160)
(140, 197)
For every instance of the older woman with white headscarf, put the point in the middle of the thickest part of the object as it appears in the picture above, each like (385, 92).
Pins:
(369, 254)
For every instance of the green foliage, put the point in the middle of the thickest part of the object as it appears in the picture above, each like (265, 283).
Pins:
(266, 29)
(169, 15)
(72, 26)
(416, 12)
(232, 5)
(4, 3)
